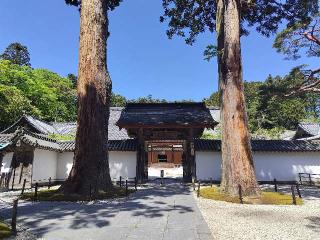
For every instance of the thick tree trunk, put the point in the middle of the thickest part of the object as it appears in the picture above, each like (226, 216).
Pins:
(91, 169)
(237, 161)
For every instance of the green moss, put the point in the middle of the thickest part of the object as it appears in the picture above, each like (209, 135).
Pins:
(59, 137)
(54, 195)
(273, 198)
(5, 230)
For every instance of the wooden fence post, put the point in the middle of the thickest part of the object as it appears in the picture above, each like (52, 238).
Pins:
(275, 185)
(310, 181)
(126, 187)
(135, 183)
(14, 175)
(298, 190)
(240, 194)
(23, 186)
(36, 192)
(198, 192)
(14, 216)
(211, 182)
(120, 181)
(49, 183)
(1, 180)
(294, 200)
(300, 178)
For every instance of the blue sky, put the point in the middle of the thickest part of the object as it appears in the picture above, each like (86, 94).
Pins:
(141, 59)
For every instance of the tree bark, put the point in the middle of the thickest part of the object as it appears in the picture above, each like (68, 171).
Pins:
(91, 168)
(237, 160)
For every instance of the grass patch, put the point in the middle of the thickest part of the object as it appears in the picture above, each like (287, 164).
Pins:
(273, 198)
(5, 230)
(54, 195)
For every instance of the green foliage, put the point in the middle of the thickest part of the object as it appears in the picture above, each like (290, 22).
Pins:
(189, 18)
(292, 40)
(74, 79)
(210, 52)
(13, 104)
(59, 137)
(269, 111)
(212, 135)
(275, 110)
(117, 100)
(213, 100)
(266, 197)
(273, 133)
(34, 91)
(5, 230)
(148, 99)
(17, 54)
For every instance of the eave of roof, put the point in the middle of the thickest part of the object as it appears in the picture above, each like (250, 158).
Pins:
(263, 145)
(43, 142)
(166, 115)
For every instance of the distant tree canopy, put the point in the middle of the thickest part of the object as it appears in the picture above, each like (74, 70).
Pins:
(38, 92)
(73, 78)
(267, 107)
(189, 18)
(302, 37)
(17, 54)
(43, 94)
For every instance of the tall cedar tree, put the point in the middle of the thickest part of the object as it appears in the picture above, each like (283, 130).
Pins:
(17, 54)
(91, 168)
(231, 19)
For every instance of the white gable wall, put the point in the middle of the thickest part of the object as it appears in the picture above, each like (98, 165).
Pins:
(65, 162)
(284, 166)
(208, 165)
(6, 162)
(44, 165)
(122, 164)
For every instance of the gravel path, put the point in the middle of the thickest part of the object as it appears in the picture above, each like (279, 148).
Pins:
(236, 221)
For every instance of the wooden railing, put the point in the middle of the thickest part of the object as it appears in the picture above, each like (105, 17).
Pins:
(309, 179)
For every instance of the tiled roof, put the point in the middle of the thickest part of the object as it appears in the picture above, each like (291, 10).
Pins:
(5, 138)
(113, 145)
(69, 128)
(65, 128)
(264, 145)
(43, 142)
(166, 115)
(39, 141)
(312, 129)
(114, 133)
(33, 124)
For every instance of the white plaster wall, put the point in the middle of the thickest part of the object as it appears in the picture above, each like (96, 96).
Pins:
(208, 165)
(44, 165)
(65, 161)
(284, 166)
(122, 164)
(6, 162)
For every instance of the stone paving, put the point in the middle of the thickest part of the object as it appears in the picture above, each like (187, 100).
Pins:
(155, 212)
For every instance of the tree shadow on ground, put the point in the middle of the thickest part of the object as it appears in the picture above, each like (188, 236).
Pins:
(153, 203)
(314, 223)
